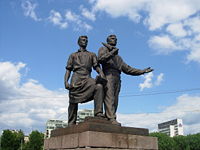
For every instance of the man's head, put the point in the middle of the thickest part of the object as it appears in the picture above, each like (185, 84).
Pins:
(82, 41)
(112, 40)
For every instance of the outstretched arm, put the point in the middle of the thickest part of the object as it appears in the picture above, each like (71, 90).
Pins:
(133, 71)
(147, 70)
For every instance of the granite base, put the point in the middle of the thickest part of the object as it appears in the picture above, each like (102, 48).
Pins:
(95, 134)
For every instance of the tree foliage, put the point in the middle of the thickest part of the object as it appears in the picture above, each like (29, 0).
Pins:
(181, 143)
(189, 142)
(164, 141)
(36, 141)
(194, 141)
(11, 140)
(14, 140)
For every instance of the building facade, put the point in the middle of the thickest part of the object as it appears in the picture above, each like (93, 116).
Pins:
(84, 113)
(54, 124)
(26, 139)
(171, 128)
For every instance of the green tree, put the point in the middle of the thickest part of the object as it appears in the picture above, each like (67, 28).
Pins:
(194, 141)
(7, 140)
(181, 143)
(164, 142)
(19, 139)
(36, 140)
(12, 140)
(25, 146)
(189, 142)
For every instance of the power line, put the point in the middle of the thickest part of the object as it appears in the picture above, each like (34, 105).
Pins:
(170, 112)
(131, 95)
(147, 113)
(162, 92)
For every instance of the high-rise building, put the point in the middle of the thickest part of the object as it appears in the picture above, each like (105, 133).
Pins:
(54, 124)
(84, 113)
(172, 127)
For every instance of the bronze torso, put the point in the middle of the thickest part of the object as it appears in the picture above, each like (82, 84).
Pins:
(81, 64)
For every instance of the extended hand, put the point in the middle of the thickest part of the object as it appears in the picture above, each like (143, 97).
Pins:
(147, 70)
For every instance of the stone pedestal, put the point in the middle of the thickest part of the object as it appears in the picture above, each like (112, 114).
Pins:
(99, 134)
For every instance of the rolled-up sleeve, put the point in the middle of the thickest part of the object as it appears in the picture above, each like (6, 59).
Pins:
(69, 65)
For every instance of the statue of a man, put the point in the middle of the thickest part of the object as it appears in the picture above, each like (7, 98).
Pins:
(83, 88)
(113, 65)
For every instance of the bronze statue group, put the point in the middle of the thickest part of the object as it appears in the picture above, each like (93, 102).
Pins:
(104, 90)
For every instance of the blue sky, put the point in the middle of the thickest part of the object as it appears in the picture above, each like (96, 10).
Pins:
(37, 37)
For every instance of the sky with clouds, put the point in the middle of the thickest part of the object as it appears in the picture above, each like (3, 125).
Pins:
(37, 37)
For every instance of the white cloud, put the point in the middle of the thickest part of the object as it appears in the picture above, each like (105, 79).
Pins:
(147, 82)
(159, 79)
(27, 105)
(88, 14)
(57, 19)
(29, 10)
(117, 8)
(185, 40)
(177, 30)
(87, 27)
(32, 104)
(10, 79)
(159, 12)
(197, 38)
(177, 22)
(69, 18)
(194, 55)
(186, 108)
(193, 23)
(168, 11)
(72, 16)
(163, 44)
(77, 21)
